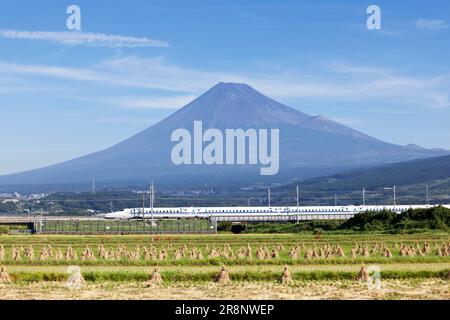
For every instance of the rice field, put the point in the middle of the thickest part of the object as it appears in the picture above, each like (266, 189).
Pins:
(225, 266)
(432, 289)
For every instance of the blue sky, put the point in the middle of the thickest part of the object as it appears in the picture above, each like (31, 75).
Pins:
(136, 62)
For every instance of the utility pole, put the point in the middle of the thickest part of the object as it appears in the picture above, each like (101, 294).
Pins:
(298, 203)
(335, 200)
(268, 195)
(395, 198)
(364, 196)
(143, 206)
(152, 201)
(427, 195)
(149, 192)
(93, 186)
(42, 221)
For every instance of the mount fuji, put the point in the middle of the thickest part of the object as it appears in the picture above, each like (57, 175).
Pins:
(309, 145)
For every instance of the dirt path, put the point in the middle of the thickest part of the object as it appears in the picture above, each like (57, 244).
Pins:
(391, 289)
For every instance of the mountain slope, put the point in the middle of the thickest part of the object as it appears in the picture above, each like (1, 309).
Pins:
(400, 174)
(307, 143)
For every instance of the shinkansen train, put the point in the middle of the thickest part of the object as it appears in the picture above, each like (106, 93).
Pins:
(211, 212)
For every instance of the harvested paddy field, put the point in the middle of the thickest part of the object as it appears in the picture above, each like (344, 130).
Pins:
(435, 289)
(256, 266)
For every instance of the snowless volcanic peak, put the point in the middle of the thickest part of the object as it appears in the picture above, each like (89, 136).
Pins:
(238, 105)
(306, 142)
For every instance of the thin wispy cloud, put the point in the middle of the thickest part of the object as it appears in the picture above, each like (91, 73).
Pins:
(425, 91)
(126, 120)
(431, 24)
(349, 121)
(155, 102)
(83, 39)
(170, 103)
(337, 82)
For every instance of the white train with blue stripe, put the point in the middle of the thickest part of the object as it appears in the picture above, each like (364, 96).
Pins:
(256, 213)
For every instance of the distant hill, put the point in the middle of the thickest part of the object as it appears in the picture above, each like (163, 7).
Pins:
(400, 174)
(312, 145)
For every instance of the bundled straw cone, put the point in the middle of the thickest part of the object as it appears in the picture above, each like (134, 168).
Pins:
(286, 277)
(363, 274)
(223, 276)
(155, 279)
(76, 280)
(4, 276)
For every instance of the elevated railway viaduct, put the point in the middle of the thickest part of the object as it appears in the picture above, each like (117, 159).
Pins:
(96, 225)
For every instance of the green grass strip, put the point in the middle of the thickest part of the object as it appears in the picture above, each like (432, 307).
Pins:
(264, 276)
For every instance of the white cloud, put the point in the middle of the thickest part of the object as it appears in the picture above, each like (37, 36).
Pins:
(431, 24)
(348, 121)
(171, 102)
(83, 38)
(45, 70)
(338, 82)
(156, 102)
(345, 68)
(145, 122)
